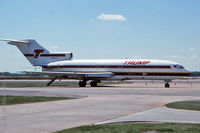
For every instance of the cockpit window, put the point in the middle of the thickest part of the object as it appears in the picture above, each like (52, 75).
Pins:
(178, 66)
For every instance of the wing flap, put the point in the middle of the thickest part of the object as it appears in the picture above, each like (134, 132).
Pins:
(98, 75)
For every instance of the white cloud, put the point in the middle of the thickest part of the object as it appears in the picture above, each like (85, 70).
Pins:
(191, 49)
(117, 17)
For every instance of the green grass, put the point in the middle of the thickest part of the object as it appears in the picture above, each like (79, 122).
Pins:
(136, 128)
(9, 100)
(189, 105)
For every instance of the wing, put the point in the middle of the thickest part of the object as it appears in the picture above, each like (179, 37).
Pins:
(77, 75)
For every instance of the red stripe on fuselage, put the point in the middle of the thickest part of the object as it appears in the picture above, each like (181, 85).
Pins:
(105, 66)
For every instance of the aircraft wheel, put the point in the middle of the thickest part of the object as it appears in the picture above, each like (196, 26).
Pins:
(93, 83)
(82, 83)
(167, 85)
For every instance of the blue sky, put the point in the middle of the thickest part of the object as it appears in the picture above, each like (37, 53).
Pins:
(103, 29)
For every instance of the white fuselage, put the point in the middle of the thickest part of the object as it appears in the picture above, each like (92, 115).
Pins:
(129, 68)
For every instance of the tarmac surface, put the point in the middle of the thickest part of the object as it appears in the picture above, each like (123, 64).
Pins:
(92, 106)
(160, 114)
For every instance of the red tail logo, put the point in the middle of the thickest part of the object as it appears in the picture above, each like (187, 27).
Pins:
(38, 52)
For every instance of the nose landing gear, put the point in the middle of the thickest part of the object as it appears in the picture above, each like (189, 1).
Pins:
(167, 85)
(82, 83)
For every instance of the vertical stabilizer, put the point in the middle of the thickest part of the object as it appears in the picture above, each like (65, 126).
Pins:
(36, 54)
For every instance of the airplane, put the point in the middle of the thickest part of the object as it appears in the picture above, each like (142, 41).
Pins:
(62, 66)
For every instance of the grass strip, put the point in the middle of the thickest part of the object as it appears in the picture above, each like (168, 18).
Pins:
(188, 105)
(9, 100)
(129, 127)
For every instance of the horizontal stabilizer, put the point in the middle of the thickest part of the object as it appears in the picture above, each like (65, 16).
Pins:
(15, 42)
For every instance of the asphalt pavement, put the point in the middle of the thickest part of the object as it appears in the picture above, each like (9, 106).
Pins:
(92, 106)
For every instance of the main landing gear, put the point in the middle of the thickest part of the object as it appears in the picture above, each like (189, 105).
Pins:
(93, 83)
(167, 85)
(82, 83)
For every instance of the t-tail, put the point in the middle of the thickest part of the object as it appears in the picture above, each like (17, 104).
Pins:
(36, 54)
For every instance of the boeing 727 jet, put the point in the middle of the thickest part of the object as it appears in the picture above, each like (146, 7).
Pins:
(62, 66)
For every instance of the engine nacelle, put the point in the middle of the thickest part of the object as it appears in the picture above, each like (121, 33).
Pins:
(52, 57)
(69, 55)
(65, 56)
